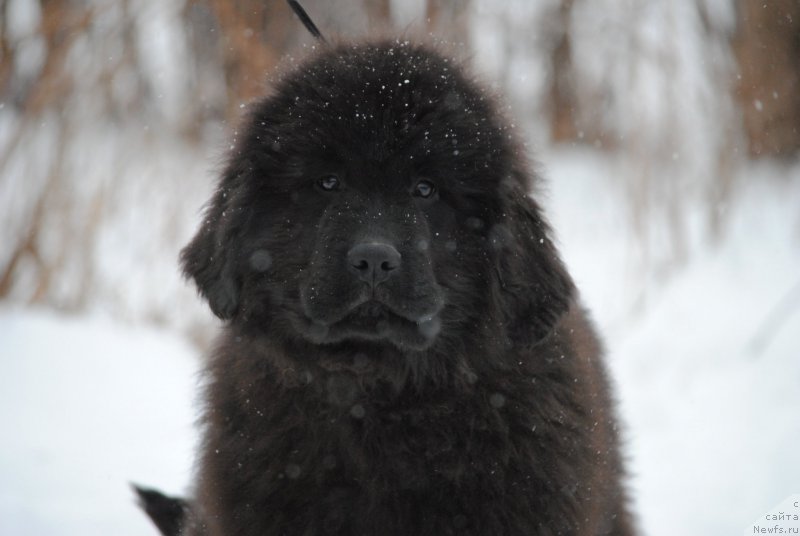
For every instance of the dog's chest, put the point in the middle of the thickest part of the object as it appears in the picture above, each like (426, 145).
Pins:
(340, 431)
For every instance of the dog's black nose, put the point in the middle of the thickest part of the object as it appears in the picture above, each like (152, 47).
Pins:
(373, 262)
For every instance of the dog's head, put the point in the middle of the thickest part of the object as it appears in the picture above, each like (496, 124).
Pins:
(377, 196)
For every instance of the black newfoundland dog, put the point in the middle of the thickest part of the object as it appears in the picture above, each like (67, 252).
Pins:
(403, 351)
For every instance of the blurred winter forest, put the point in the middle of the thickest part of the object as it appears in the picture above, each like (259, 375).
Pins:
(114, 116)
(668, 135)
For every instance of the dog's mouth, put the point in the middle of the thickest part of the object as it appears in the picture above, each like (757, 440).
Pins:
(374, 321)
(369, 315)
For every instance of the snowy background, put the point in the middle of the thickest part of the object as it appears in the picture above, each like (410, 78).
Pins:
(672, 180)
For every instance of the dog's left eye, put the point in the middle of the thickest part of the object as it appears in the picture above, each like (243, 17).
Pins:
(424, 189)
(329, 183)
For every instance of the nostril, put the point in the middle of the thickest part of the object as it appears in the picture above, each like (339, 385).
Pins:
(373, 262)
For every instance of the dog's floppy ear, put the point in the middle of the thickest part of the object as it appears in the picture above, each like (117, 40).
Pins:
(535, 288)
(209, 257)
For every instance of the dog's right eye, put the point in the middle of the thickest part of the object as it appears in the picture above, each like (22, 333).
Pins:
(424, 189)
(329, 183)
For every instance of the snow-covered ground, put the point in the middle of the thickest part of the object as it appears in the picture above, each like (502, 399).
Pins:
(707, 365)
(87, 406)
(706, 360)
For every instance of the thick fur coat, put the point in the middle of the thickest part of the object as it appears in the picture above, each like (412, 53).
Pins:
(404, 352)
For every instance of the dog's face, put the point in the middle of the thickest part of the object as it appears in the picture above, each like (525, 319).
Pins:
(375, 197)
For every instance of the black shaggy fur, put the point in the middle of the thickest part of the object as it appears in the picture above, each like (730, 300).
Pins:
(457, 388)
(167, 513)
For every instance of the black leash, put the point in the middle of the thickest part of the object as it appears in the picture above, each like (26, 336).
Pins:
(306, 20)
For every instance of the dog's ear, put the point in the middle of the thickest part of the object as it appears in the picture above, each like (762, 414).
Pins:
(209, 257)
(535, 290)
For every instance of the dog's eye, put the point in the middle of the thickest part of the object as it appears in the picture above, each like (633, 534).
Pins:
(424, 189)
(329, 183)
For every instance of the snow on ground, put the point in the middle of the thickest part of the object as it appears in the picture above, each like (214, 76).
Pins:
(710, 405)
(88, 406)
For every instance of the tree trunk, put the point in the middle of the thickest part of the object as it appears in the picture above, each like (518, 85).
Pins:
(767, 47)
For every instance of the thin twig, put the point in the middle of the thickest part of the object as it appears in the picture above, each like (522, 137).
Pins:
(774, 320)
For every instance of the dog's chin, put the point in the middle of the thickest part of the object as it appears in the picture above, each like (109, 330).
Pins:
(375, 323)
